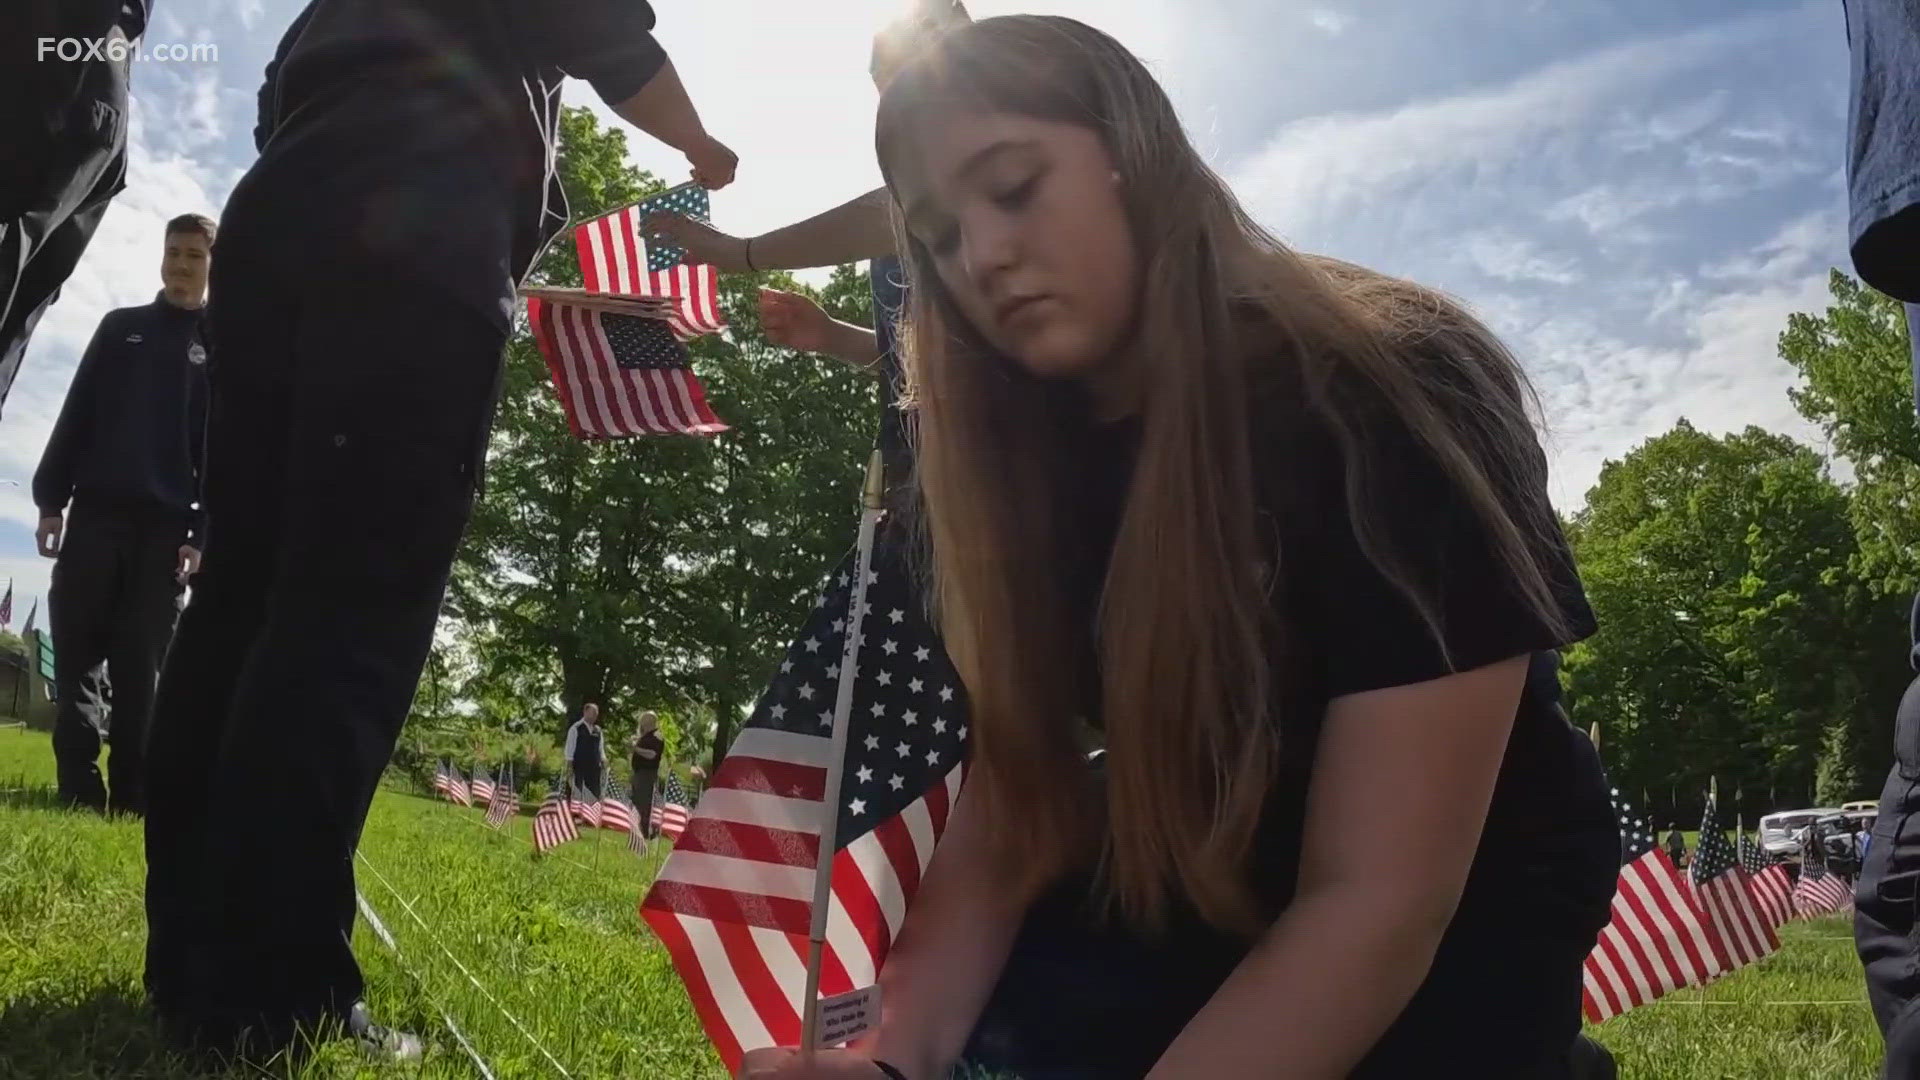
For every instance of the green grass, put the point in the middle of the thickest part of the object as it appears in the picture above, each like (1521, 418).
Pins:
(557, 943)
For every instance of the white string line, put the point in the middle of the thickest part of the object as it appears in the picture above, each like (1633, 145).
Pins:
(495, 1002)
(1687, 1001)
(386, 938)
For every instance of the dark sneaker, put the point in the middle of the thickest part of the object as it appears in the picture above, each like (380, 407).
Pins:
(382, 1042)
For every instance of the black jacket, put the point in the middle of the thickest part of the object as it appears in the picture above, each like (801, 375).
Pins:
(130, 434)
(418, 135)
(47, 110)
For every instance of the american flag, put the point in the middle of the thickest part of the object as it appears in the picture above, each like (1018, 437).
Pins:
(552, 825)
(1767, 881)
(443, 783)
(616, 256)
(505, 802)
(669, 814)
(615, 812)
(733, 901)
(1741, 933)
(457, 789)
(6, 605)
(619, 375)
(1657, 940)
(482, 786)
(1819, 891)
(586, 811)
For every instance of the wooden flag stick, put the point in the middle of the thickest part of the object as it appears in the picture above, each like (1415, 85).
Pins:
(873, 498)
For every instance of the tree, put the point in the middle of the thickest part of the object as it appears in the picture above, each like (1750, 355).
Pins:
(1856, 361)
(1732, 636)
(653, 573)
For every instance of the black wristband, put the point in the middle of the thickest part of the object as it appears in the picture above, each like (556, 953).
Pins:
(750, 265)
(889, 1071)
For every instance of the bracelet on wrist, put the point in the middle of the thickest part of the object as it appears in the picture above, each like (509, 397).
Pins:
(750, 265)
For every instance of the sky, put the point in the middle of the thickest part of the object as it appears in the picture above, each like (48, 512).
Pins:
(1633, 193)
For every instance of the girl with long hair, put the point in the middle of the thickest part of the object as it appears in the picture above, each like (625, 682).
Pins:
(1270, 530)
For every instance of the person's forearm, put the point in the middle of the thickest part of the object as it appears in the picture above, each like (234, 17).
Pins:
(856, 229)
(855, 346)
(1315, 994)
(663, 110)
(948, 956)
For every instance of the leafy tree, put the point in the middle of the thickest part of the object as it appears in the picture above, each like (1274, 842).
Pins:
(658, 573)
(1856, 361)
(1732, 636)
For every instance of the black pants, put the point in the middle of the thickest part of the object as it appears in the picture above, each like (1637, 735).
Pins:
(347, 419)
(1886, 900)
(53, 192)
(586, 778)
(642, 795)
(113, 599)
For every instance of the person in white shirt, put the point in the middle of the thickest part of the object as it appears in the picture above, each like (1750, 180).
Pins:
(587, 751)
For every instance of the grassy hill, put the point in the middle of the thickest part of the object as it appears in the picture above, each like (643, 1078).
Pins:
(531, 958)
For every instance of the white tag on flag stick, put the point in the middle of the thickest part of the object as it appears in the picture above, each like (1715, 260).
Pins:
(846, 1017)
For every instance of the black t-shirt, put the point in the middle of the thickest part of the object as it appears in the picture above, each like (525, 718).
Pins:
(1097, 997)
(416, 136)
(647, 754)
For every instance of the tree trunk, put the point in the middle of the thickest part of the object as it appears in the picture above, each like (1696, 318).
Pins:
(725, 716)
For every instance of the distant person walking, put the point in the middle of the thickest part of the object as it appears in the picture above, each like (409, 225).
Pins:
(587, 751)
(644, 759)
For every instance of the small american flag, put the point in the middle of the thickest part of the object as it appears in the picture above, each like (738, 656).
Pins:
(505, 802)
(482, 786)
(733, 901)
(616, 256)
(586, 811)
(552, 825)
(457, 789)
(615, 813)
(637, 840)
(619, 375)
(1656, 940)
(1742, 934)
(442, 783)
(669, 814)
(1767, 881)
(1819, 891)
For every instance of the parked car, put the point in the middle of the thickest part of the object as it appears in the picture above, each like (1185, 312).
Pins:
(1866, 805)
(1782, 833)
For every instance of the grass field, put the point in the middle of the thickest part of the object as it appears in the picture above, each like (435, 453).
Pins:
(555, 943)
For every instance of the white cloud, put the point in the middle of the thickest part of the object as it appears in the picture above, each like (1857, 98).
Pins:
(1328, 21)
(1508, 257)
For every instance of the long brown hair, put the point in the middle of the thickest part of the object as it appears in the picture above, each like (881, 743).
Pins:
(1187, 648)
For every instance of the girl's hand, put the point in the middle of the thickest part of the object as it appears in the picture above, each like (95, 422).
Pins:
(784, 1064)
(794, 321)
(703, 242)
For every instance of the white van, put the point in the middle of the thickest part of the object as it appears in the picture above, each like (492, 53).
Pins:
(1780, 834)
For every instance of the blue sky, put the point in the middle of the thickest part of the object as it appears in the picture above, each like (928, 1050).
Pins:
(1633, 193)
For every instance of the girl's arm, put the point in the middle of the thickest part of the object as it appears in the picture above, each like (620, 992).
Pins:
(1336, 969)
(949, 954)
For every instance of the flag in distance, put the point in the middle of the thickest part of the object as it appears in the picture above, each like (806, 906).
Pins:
(619, 375)
(1767, 882)
(614, 812)
(1742, 934)
(1655, 941)
(552, 824)
(1819, 891)
(442, 783)
(482, 786)
(732, 903)
(457, 789)
(506, 801)
(669, 814)
(616, 256)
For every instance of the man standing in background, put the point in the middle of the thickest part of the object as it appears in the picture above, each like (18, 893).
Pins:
(1883, 174)
(644, 758)
(116, 488)
(587, 751)
(63, 133)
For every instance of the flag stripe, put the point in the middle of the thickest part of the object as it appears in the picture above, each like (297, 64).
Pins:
(726, 905)
(778, 846)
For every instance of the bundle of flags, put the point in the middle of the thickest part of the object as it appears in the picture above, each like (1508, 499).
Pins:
(733, 901)
(616, 812)
(617, 349)
(1671, 930)
(586, 810)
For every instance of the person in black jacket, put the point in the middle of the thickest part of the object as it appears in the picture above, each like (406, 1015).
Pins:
(363, 298)
(63, 124)
(125, 456)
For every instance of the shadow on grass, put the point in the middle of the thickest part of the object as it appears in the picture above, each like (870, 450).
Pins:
(109, 1034)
